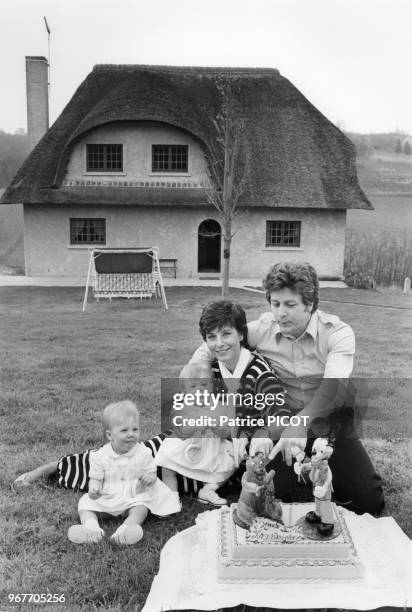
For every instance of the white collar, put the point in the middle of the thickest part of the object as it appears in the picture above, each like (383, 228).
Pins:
(241, 365)
(112, 453)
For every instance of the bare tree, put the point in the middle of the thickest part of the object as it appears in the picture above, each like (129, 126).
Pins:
(228, 169)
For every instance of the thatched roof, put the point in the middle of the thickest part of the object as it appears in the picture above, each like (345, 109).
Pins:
(296, 157)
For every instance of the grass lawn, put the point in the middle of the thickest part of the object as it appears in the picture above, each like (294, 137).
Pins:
(61, 367)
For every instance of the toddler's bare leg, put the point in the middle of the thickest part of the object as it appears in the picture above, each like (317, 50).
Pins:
(136, 515)
(89, 531)
(130, 531)
(24, 480)
(169, 477)
(88, 517)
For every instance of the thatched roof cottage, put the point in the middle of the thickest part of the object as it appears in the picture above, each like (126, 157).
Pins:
(126, 165)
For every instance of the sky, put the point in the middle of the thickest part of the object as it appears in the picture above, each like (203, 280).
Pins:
(351, 58)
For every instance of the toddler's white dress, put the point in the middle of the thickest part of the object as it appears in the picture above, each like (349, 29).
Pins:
(207, 459)
(122, 488)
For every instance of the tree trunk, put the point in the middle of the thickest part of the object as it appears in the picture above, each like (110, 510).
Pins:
(227, 239)
(227, 206)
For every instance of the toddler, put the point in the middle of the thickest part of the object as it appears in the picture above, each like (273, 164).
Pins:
(204, 456)
(122, 481)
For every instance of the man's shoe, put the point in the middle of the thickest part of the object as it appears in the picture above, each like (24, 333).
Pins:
(312, 517)
(325, 529)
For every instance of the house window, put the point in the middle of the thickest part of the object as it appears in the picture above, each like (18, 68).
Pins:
(169, 158)
(87, 231)
(283, 233)
(104, 157)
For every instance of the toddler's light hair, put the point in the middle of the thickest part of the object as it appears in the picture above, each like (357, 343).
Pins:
(195, 370)
(115, 412)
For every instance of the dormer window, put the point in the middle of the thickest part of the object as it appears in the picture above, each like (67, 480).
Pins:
(169, 158)
(104, 157)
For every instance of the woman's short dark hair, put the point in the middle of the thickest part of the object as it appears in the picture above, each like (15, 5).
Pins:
(298, 277)
(222, 313)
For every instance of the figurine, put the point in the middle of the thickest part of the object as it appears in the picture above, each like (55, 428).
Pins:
(321, 477)
(257, 497)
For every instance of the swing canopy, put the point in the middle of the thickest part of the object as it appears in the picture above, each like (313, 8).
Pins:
(123, 272)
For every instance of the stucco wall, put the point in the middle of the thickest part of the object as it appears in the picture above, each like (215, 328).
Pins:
(322, 241)
(174, 231)
(137, 140)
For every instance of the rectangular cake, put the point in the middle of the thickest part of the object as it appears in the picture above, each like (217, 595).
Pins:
(269, 551)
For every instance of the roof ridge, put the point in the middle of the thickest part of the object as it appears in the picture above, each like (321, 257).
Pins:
(187, 69)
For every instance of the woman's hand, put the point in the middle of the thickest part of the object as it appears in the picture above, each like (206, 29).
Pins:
(292, 442)
(95, 488)
(260, 445)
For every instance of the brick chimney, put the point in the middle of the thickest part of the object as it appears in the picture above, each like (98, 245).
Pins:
(37, 98)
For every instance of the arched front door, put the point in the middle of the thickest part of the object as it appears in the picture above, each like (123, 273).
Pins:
(209, 237)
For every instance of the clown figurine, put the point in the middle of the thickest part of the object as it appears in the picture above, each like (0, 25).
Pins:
(321, 477)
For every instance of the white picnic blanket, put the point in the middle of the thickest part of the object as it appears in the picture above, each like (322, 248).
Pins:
(187, 573)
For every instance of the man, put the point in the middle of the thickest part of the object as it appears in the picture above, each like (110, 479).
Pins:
(312, 353)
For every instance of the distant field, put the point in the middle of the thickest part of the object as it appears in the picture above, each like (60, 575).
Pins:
(398, 159)
(392, 213)
(385, 171)
(379, 242)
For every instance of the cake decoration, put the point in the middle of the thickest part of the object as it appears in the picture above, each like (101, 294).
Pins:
(321, 476)
(265, 531)
(261, 539)
(257, 497)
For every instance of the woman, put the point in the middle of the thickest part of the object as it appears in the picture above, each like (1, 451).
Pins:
(244, 373)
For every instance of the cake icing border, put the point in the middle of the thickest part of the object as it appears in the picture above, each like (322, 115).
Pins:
(224, 560)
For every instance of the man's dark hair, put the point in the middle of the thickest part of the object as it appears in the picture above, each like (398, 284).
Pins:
(222, 313)
(298, 277)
